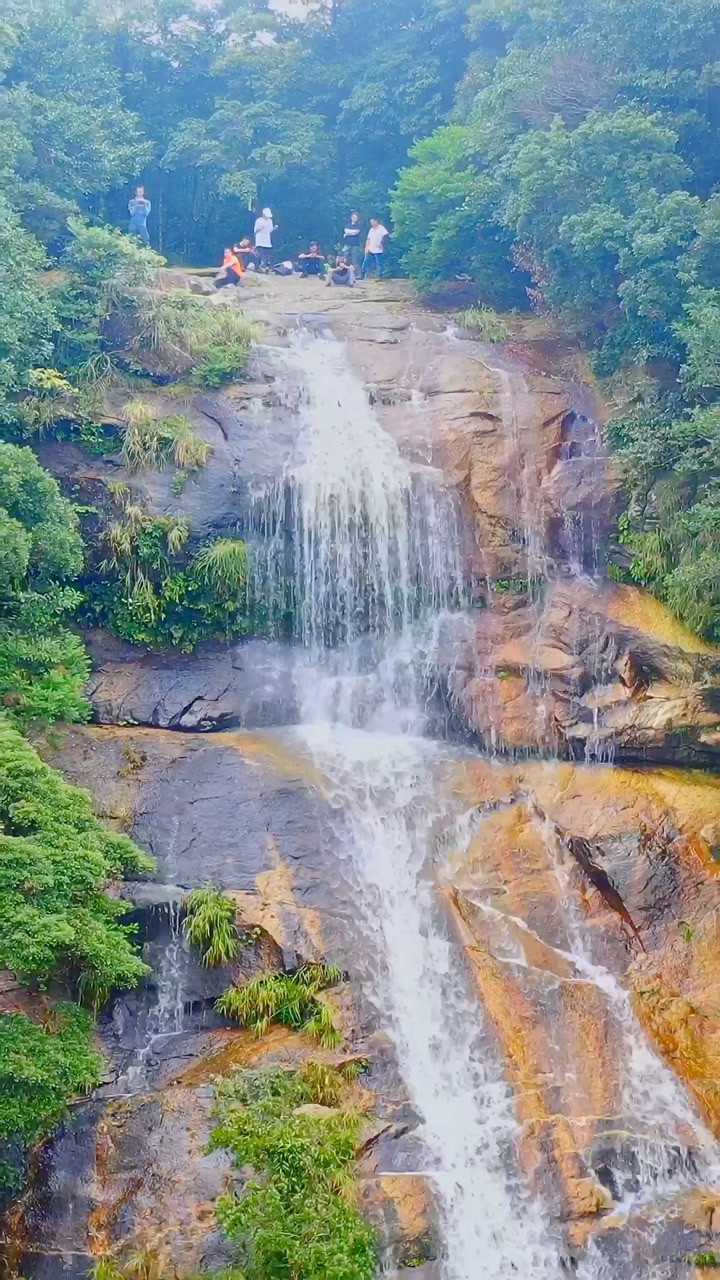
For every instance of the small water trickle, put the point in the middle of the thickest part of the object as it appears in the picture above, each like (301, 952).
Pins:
(672, 1149)
(164, 1013)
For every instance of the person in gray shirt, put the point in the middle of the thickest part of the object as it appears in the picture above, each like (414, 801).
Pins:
(138, 208)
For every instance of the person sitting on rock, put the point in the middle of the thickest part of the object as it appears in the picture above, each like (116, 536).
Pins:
(231, 271)
(342, 275)
(313, 262)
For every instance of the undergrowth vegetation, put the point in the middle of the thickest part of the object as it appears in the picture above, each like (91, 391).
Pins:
(291, 999)
(297, 1214)
(210, 344)
(670, 533)
(150, 588)
(152, 442)
(484, 323)
(41, 1067)
(43, 666)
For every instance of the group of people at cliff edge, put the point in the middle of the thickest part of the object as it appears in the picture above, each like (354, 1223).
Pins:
(362, 255)
(362, 252)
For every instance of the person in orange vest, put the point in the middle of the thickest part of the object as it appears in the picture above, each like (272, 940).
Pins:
(231, 271)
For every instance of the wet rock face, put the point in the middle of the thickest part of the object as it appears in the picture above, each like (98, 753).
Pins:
(250, 428)
(587, 671)
(566, 979)
(130, 1170)
(220, 809)
(247, 686)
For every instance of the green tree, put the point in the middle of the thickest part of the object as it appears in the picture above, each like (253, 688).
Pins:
(43, 666)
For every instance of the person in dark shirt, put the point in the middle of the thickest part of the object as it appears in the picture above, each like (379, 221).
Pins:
(353, 242)
(312, 263)
(342, 275)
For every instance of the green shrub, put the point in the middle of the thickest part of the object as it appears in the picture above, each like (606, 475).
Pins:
(99, 292)
(43, 666)
(149, 591)
(223, 362)
(189, 335)
(55, 860)
(290, 999)
(296, 1216)
(41, 1068)
(210, 926)
(671, 529)
(223, 567)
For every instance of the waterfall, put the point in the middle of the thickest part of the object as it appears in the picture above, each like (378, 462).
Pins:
(365, 548)
(375, 552)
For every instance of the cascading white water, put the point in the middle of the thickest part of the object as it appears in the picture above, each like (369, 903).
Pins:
(371, 543)
(375, 549)
(390, 809)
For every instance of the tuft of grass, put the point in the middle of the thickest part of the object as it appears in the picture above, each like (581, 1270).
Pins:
(150, 442)
(325, 1085)
(222, 566)
(210, 926)
(290, 999)
(485, 323)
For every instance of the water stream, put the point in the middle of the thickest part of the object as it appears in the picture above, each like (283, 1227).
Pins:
(377, 556)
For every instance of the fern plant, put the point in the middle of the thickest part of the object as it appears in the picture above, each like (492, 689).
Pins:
(210, 926)
(290, 999)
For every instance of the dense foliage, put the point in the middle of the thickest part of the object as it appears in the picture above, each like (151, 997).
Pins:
(41, 1066)
(296, 1216)
(56, 859)
(56, 923)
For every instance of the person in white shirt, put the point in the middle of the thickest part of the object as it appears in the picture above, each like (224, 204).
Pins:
(264, 227)
(374, 249)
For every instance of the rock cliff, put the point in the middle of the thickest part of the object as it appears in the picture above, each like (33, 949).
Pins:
(588, 702)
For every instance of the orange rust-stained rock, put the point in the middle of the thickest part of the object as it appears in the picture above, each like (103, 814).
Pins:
(515, 890)
(550, 1142)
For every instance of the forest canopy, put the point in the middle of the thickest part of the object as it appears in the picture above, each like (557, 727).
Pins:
(550, 152)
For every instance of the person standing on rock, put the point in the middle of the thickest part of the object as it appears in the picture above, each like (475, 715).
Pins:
(264, 228)
(139, 207)
(377, 237)
(352, 242)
